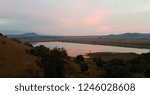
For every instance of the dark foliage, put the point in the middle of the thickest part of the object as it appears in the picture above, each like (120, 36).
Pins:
(99, 61)
(16, 40)
(84, 67)
(1, 34)
(52, 61)
(136, 67)
(28, 44)
(116, 68)
(147, 72)
(79, 59)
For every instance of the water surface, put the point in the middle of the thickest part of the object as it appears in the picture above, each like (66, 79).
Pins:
(74, 49)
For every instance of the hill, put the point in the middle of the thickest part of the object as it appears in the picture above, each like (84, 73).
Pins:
(32, 35)
(127, 35)
(15, 61)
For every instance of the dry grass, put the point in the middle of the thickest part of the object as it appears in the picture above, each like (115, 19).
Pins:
(15, 61)
(73, 70)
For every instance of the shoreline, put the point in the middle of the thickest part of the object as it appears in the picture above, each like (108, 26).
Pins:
(112, 55)
(131, 43)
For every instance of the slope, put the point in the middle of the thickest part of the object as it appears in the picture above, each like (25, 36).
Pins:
(15, 61)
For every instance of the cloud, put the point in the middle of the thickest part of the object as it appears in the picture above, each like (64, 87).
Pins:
(93, 18)
(78, 16)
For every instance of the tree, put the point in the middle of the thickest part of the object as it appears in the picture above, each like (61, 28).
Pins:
(79, 59)
(116, 68)
(52, 61)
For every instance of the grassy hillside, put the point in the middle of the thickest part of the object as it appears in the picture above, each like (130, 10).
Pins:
(15, 61)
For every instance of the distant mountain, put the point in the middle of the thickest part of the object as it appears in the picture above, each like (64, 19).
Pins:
(32, 35)
(127, 35)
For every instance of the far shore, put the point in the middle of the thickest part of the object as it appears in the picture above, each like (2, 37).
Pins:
(133, 43)
(112, 55)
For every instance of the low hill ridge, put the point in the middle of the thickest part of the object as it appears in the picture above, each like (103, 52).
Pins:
(126, 35)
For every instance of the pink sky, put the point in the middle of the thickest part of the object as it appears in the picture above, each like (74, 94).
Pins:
(75, 17)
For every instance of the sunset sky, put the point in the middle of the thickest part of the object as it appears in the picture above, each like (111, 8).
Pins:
(75, 17)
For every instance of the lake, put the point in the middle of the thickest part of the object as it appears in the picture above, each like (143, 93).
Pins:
(74, 49)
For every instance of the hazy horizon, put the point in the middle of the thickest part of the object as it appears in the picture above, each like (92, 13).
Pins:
(75, 17)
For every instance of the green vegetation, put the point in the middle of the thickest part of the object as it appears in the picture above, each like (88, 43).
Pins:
(52, 61)
(19, 59)
(99, 61)
(28, 44)
(116, 68)
(147, 72)
(1, 34)
(79, 59)
(83, 67)
(119, 68)
(16, 40)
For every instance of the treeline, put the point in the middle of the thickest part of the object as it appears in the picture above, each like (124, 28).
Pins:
(119, 68)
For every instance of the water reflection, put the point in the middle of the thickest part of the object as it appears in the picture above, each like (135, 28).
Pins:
(74, 49)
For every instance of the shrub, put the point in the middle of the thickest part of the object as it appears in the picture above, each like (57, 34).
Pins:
(28, 44)
(84, 67)
(52, 61)
(99, 61)
(116, 68)
(1, 34)
(16, 40)
(147, 72)
(79, 59)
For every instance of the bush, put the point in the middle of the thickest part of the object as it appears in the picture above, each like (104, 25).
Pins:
(116, 68)
(16, 40)
(99, 61)
(28, 44)
(1, 34)
(84, 67)
(52, 61)
(147, 72)
(41, 51)
(79, 59)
